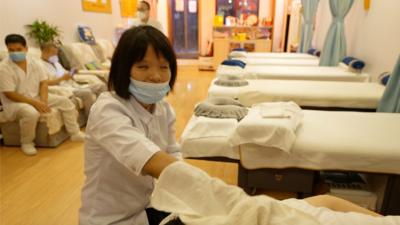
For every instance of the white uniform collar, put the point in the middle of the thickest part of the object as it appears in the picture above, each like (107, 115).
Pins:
(145, 115)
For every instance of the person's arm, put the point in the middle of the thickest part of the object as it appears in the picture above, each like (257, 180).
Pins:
(15, 97)
(157, 163)
(43, 91)
(338, 204)
(58, 80)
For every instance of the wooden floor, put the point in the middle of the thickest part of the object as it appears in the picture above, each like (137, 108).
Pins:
(45, 189)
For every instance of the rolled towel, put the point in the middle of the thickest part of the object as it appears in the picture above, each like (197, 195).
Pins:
(234, 62)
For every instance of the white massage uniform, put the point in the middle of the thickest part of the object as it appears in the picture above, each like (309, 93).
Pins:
(121, 136)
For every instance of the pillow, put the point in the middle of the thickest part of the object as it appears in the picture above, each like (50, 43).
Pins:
(234, 62)
(67, 58)
(220, 107)
(384, 78)
(353, 63)
(231, 82)
(311, 51)
(98, 51)
(239, 49)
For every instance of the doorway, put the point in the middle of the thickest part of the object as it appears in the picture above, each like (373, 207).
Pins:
(184, 28)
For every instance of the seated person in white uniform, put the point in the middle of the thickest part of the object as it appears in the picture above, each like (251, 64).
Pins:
(143, 14)
(126, 127)
(24, 94)
(59, 76)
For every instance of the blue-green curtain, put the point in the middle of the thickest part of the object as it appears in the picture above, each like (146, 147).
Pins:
(334, 49)
(390, 101)
(309, 11)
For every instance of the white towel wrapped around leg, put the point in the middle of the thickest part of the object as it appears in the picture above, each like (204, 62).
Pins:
(199, 199)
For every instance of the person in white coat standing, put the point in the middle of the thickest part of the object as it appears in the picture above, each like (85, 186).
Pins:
(127, 126)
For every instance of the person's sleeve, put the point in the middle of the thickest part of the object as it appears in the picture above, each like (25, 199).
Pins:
(173, 147)
(43, 72)
(6, 80)
(113, 130)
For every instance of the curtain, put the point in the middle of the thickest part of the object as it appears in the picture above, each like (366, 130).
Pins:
(334, 48)
(309, 11)
(390, 101)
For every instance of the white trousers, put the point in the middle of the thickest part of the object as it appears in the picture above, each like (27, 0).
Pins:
(28, 117)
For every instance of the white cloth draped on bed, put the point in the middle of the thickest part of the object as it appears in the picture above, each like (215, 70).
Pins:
(304, 93)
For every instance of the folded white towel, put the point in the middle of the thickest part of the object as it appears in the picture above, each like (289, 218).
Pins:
(279, 109)
(272, 125)
(237, 54)
(199, 199)
(230, 72)
(204, 127)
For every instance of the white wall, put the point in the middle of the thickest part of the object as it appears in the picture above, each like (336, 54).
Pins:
(162, 15)
(372, 35)
(278, 25)
(66, 14)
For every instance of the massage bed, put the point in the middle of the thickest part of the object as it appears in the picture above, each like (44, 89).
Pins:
(277, 55)
(325, 140)
(321, 73)
(307, 94)
(280, 61)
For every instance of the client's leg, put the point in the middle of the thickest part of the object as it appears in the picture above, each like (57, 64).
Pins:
(338, 204)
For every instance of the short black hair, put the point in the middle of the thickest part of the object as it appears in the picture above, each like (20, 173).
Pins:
(15, 38)
(146, 3)
(132, 48)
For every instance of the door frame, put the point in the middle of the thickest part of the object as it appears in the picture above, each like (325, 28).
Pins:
(170, 23)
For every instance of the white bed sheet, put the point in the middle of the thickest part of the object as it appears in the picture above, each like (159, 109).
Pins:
(304, 93)
(321, 73)
(280, 62)
(279, 55)
(353, 141)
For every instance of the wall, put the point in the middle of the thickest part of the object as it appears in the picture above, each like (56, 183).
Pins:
(66, 14)
(372, 35)
(162, 14)
(206, 18)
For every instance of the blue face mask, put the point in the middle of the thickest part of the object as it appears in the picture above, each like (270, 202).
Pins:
(148, 93)
(17, 56)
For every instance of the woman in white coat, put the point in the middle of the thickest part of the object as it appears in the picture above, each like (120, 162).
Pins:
(127, 126)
